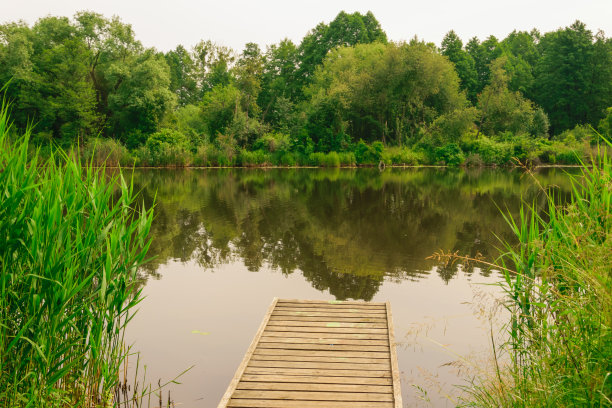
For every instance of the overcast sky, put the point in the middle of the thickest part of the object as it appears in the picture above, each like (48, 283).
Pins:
(166, 24)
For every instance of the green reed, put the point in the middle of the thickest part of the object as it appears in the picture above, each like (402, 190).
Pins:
(559, 295)
(71, 241)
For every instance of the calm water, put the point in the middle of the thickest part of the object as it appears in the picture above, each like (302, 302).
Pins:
(227, 241)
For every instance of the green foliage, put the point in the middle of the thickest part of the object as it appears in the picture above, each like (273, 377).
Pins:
(555, 152)
(248, 72)
(279, 85)
(368, 154)
(252, 158)
(452, 47)
(273, 142)
(49, 79)
(90, 78)
(107, 152)
(605, 125)
(580, 133)
(218, 108)
(183, 81)
(539, 123)
(344, 30)
(347, 159)
(501, 109)
(488, 151)
(483, 55)
(559, 301)
(449, 155)
(451, 126)
(381, 92)
(164, 148)
(402, 156)
(72, 243)
(573, 80)
(324, 159)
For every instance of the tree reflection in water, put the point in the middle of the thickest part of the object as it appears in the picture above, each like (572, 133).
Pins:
(345, 230)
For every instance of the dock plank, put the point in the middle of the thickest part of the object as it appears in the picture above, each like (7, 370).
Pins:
(319, 354)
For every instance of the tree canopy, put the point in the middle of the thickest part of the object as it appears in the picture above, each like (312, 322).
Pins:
(344, 82)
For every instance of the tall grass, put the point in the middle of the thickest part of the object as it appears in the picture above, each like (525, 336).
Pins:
(559, 295)
(71, 241)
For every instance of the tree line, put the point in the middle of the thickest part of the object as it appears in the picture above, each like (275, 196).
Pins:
(345, 88)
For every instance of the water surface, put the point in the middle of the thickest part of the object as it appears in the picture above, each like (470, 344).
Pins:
(227, 241)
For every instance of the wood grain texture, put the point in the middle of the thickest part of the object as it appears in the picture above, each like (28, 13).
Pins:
(310, 353)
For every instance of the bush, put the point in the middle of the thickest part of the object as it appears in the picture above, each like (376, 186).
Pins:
(164, 148)
(490, 151)
(450, 155)
(254, 158)
(324, 159)
(347, 158)
(273, 142)
(402, 156)
(107, 152)
(368, 154)
(559, 153)
(578, 134)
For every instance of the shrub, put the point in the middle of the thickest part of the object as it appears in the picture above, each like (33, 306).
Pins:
(473, 160)
(368, 154)
(579, 133)
(324, 159)
(347, 158)
(402, 156)
(252, 158)
(286, 159)
(273, 142)
(450, 154)
(108, 152)
(490, 151)
(559, 153)
(164, 148)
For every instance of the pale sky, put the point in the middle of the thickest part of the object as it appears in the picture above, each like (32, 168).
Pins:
(166, 24)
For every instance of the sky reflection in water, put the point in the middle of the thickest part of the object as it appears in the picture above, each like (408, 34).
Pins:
(227, 241)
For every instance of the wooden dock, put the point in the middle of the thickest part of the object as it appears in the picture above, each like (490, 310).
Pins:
(310, 353)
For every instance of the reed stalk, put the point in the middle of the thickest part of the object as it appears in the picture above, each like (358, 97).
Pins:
(71, 241)
(558, 291)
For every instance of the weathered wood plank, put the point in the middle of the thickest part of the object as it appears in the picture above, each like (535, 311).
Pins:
(331, 315)
(323, 353)
(317, 372)
(307, 346)
(326, 365)
(323, 359)
(257, 403)
(312, 395)
(333, 311)
(313, 329)
(316, 379)
(332, 302)
(336, 323)
(320, 303)
(326, 334)
(328, 319)
(322, 340)
(286, 386)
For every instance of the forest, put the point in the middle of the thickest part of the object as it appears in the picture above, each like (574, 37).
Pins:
(345, 95)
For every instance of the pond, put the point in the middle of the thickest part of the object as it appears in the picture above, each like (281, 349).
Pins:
(227, 241)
